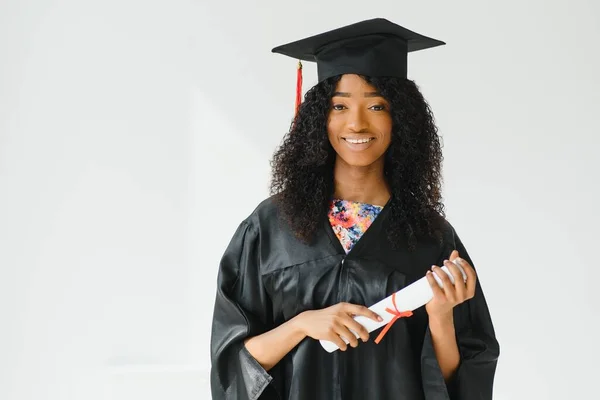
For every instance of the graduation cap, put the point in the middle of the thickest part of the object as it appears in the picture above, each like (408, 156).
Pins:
(375, 47)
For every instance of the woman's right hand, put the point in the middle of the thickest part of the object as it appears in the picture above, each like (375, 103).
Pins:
(334, 324)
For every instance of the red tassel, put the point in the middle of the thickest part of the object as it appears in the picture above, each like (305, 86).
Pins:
(298, 87)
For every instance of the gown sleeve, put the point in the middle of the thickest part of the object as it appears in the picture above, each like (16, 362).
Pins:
(241, 309)
(478, 347)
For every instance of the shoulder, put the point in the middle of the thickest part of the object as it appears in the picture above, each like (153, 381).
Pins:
(266, 209)
(265, 215)
(446, 229)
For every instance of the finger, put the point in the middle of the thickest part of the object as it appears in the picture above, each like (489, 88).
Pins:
(339, 342)
(345, 333)
(352, 324)
(334, 336)
(471, 276)
(460, 286)
(453, 255)
(356, 309)
(448, 287)
(437, 290)
(455, 270)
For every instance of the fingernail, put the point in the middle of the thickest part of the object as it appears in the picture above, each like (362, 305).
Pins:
(459, 260)
(379, 318)
(445, 261)
(428, 273)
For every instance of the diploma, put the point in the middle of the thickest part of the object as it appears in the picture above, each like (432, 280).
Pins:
(399, 304)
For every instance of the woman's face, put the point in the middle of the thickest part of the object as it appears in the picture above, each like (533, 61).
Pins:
(359, 124)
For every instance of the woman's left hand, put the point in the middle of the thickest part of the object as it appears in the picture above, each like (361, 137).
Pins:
(446, 298)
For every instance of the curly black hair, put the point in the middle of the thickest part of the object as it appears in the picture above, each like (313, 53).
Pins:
(302, 167)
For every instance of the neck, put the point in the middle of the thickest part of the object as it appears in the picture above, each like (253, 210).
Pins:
(362, 184)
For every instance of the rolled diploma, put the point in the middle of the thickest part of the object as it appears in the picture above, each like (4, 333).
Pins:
(413, 296)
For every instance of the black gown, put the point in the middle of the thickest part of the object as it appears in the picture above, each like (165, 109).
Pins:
(267, 276)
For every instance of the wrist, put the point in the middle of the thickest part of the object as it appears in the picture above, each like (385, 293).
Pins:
(444, 321)
(298, 324)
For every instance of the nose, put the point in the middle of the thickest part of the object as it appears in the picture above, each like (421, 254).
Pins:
(357, 122)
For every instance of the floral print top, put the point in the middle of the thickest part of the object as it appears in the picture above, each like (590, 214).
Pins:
(350, 220)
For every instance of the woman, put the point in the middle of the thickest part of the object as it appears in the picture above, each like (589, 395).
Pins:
(355, 215)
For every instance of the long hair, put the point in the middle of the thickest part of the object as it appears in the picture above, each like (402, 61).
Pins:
(302, 167)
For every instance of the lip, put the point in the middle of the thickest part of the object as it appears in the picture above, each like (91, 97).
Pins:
(358, 146)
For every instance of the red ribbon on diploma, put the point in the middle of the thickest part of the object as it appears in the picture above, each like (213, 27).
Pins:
(397, 315)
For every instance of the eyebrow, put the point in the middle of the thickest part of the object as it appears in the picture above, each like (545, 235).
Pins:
(366, 94)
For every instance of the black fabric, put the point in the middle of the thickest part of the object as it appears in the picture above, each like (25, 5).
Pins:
(267, 277)
(375, 47)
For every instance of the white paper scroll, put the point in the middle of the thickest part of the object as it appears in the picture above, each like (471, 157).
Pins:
(409, 298)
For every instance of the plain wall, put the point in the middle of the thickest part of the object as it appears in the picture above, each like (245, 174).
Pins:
(136, 135)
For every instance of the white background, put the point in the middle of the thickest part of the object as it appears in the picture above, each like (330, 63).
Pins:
(135, 136)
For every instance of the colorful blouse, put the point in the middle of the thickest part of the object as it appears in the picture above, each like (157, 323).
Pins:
(351, 219)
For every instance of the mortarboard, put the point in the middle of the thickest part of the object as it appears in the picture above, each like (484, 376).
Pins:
(375, 47)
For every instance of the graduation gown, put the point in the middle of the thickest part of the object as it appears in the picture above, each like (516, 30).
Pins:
(267, 276)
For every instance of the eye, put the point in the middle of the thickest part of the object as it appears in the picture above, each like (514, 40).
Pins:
(338, 107)
(378, 107)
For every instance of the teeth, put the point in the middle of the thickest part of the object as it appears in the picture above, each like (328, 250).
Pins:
(358, 141)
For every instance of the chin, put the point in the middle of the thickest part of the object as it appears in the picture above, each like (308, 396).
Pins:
(355, 160)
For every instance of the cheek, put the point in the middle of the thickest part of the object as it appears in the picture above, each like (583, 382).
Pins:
(388, 137)
(334, 127)
(386, 127)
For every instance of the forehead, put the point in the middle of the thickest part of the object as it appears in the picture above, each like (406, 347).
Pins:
(354, 83)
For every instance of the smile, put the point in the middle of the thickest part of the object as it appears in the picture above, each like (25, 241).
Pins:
(358, 141)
